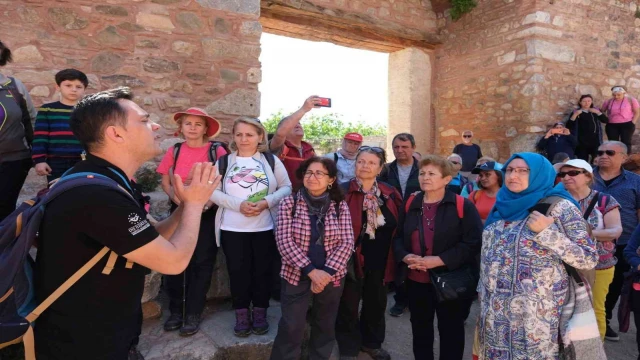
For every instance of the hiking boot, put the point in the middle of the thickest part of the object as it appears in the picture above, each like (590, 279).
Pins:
(377, 354)
(243, 324)
(397, 310)
(260, 325)
(611, 335)
(134, 354)
(191, 325)
(174, 322)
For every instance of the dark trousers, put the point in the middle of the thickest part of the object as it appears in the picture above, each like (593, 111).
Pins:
(59, 166)
(621, 132)
(635, 308)
(189, 289)
(424, 305)
(585, 151)
(294, 301)
(12, 176)
(368, 329)
(616, 285)
(249, 261)
(401, 295)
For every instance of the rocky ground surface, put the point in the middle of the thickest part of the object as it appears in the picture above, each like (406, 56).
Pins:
(217, 342)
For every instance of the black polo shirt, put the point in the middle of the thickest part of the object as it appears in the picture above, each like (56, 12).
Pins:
(98, 317)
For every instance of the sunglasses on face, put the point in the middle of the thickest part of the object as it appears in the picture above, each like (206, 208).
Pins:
(608, 152)
(571, 173)
(467, 136)
(375, 149)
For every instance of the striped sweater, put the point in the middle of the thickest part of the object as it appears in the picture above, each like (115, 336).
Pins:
(53, 136)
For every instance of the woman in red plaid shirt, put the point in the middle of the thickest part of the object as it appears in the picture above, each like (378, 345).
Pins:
(315, 238)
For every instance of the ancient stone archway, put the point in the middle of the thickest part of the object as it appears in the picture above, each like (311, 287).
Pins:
(366, 28)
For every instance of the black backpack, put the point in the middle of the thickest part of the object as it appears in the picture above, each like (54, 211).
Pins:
(12, 88)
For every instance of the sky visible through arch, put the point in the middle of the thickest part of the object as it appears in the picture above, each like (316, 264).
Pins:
(355, 80)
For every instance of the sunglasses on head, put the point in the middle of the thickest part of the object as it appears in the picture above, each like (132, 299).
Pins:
(467, 136)
(571, 173)
(375, 149)
(608, 152)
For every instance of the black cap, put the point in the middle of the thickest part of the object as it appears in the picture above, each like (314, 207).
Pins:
(489, 165)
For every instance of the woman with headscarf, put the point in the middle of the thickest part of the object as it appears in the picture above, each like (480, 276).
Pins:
(523, 281)
(315, 238)
(374, 208)
(623, 112)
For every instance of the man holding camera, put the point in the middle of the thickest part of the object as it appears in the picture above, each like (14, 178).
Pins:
(558, 139)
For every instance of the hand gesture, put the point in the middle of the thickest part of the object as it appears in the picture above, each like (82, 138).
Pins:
(576, 113)
(549, 134)
(538, 222)
(311, 102)
(316, 289)
(43, 169)
(411, 259)
(248, 209)
(595, 111)
(203, 183)
(320, 278)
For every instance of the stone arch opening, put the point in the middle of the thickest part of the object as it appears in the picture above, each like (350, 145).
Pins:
(378, 29)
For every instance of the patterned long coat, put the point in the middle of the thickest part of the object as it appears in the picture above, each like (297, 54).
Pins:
(523, 283)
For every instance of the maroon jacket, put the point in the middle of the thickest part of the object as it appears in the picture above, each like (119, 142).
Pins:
(355, 198)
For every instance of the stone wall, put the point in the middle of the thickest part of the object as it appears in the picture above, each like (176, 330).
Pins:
(508, 69)
(173, 53)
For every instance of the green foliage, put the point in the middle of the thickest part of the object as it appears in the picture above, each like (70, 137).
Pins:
(323, 130)
(147, 177)
(461, 7)
(327, 126)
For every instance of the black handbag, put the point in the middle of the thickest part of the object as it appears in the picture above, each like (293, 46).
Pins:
(458, 284)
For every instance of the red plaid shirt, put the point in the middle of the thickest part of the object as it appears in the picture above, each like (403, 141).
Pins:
(293, 236)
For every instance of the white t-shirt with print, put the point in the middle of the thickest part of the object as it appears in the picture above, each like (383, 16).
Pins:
(246, 180)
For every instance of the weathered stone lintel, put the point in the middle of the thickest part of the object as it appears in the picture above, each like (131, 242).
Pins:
(311, 23)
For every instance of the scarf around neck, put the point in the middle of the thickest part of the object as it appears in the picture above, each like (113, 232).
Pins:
(318, 206)
(372, 206)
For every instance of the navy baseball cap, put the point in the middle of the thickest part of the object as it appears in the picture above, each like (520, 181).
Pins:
(489, 165)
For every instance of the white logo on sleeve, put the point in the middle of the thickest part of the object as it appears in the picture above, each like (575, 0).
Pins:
(139, 224)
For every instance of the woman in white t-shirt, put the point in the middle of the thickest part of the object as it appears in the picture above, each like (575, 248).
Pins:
(254, 181)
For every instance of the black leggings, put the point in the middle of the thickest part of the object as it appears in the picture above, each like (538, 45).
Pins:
(622, 132)
(188, 291)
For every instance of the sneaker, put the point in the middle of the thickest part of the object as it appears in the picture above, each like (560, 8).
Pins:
(260, 325)
(191, 325)
(243, 324)
(173, 323)
(611, 335)
(377, 354)
(134, 354)
(397, 310)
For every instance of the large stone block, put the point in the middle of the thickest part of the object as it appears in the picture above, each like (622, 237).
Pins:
(159, 65)
(106, 62)
(234, 6)
(68, 18)
(109, 36)
(526, 142)
(112, 10)
(189, 20)
(152, 284)
(27, 54)
(154, 21)
(550, 51)
(214, 48)
(239, 102)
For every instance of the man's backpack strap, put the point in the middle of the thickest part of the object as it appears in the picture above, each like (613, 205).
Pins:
(335, 157)
(111, 262)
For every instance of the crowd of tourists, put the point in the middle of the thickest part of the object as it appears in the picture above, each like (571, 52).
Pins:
(546, 243)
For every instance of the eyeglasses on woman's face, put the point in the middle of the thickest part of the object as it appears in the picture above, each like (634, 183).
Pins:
(572, 173)
(517, 171)
(318, 174)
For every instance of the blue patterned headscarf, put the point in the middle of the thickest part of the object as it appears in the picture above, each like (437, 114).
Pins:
(511, 206)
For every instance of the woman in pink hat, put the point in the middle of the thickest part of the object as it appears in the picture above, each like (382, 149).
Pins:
(187, 291)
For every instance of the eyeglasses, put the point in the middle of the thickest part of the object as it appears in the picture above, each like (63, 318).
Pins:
(375, 149)
(467, 136)
(608, 152)
(318, 174)
(519, 171)
(571, 173)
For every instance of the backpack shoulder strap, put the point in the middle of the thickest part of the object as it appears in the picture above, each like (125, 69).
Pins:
(295, 204)
(271, 159)
(603, 201)
(176, 152)
(460, 206)
(13, 90)
(592, 204)
(223, 162)
(335, 157)
(407, 205)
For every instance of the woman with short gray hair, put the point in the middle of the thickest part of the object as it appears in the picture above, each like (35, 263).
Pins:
(623, 112)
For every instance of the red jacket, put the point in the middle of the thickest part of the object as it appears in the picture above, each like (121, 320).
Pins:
(355, 198)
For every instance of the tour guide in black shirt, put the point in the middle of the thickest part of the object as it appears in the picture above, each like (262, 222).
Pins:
(98, 317)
